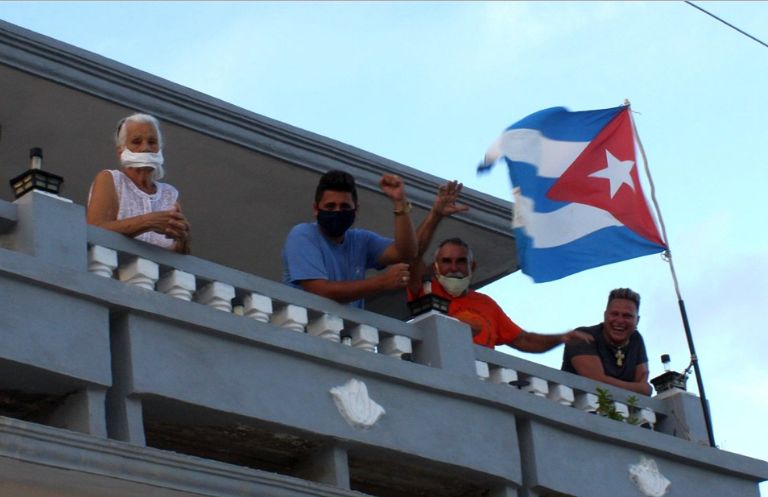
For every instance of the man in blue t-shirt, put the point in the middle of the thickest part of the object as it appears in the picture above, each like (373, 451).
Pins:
(330, 258)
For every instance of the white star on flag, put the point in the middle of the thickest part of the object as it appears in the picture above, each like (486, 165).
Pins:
(616, 171)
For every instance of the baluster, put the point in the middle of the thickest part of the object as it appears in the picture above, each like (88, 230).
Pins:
(102, 261)
(503, 375)
(586, 402)
(396, 346)
(481, 368)
(646, 417)
(326, 326)
(139, 272)
(217, 295)
(622, 409)
(365, 337)
(562, 394)
(258, 307)
(537, 386)
(291, 317)
(178, 284)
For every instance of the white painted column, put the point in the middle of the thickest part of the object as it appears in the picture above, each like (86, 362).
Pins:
(537, 386)
(561, 394)
(217, 295)
(327, 326)
(291, 317)
(646, 417)
(396, 346)
(102, 261)
(586, 402)
(258, 307)
(503, 375)
(365, 337)
(139, 272)
(622, 409)
(178, 284)
(482, 370)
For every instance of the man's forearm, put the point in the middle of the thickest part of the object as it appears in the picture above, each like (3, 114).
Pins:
(426, 231)
(590, 366)
(640, 387)
(344, 291)
(535, 342)
(405, 240)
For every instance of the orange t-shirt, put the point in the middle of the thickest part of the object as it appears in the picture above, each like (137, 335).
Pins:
(490, 325)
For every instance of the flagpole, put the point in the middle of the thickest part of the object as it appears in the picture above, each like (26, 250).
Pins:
(680, 302)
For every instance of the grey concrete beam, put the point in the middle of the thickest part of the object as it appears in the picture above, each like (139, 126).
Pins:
(328, 465)
(563, 461)
(52, 462)
(82, 411)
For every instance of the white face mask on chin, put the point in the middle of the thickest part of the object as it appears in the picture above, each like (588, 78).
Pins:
(455, 286)
(143, 159)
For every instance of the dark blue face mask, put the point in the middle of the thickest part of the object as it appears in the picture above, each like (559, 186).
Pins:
(335, 223)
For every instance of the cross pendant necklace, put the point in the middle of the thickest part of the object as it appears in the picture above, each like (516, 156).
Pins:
(619, 357)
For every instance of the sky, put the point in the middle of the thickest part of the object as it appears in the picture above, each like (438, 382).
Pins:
(431, 85)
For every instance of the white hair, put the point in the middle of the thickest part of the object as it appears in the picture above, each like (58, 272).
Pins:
(139, 117)
(458, 242)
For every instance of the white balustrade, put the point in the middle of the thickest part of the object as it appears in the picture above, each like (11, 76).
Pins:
(646, 417)
(139, 272)
(481, 368)
(562, 394)
(365, 337)
(503, 375)
(537, 386)
(291, 317)
(102, 261)
(326, 326)
(217, 295)
(586, 402)
(396, 346)
(258, 307)
(178, 284)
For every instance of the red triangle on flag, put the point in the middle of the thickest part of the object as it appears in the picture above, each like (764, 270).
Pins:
(605, 176)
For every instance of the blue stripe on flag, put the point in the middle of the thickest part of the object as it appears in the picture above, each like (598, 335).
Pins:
(600, 248)
(557, 123)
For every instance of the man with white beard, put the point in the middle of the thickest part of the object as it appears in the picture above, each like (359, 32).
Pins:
(452, 269)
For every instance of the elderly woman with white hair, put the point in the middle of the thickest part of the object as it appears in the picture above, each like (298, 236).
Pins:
(130, 200)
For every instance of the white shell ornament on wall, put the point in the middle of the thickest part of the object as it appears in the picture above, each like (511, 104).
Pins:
(355, 406)
(648, 479)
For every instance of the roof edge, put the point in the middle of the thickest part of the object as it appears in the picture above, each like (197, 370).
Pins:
(105, 78)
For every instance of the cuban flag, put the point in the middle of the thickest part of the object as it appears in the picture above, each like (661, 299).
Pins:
(578, 199)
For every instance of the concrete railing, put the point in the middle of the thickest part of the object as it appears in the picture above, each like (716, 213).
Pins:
(198, 281)
(194, 280)
(578, 392)
(157, 349)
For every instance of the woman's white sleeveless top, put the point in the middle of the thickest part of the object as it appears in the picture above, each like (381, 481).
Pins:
(134, 202)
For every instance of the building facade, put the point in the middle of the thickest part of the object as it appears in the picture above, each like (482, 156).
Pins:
(129, 370)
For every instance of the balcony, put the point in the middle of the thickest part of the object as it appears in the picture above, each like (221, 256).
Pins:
(129, 368)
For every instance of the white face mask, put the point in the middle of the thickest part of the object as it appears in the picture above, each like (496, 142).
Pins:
(143, 159)
(454, 285)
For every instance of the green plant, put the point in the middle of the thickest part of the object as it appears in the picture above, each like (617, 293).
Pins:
(607, 408)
